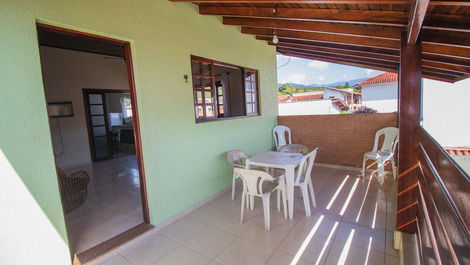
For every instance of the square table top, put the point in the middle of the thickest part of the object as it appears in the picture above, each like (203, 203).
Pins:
(276, 159)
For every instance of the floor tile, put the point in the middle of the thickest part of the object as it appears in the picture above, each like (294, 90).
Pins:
(310, 247)
(210, 241)
(361, 236)
(283, 258)
(150, 250)
(182, 255)
(116, 260)
(183, 230)
(246, 252)
(344, 254)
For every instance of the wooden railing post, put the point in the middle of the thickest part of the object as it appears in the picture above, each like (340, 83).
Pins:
(409, 122)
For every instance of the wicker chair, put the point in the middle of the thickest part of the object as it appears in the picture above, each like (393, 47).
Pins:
(73, 188)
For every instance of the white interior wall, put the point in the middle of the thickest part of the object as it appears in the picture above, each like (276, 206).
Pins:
(65, 74)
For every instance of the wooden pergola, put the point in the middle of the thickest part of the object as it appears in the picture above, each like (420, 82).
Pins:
(416, 38)
(364, 33)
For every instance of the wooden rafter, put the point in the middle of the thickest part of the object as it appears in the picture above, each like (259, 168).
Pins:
(379, 32)
(417, 14)
(348, 2)
(323, 37)
(363, 33)
(365, 17)
(436, 66)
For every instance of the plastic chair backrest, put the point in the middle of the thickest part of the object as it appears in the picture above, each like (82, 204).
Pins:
(236, 157)
(390, 135)
(306, 166)
(253, 180)
(279, 134)
(297, 148)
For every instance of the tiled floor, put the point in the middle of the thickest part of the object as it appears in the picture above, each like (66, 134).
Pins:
(338, 232)
(113, 204)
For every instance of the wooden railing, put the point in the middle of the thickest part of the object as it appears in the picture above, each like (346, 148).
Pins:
(443, 214)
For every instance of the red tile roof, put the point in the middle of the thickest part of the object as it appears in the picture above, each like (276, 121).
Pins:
(458, 151)
(383, 78)
(299, 98)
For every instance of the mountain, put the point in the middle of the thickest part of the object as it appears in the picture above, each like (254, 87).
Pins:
(314, 85)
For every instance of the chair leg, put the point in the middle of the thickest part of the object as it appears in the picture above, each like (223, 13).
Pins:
(312, 194)
(284, 200)
(267, 222)
(364, 160)
(247, 199)
(243, 207)
(278, 200)
(306, 199)
(394, 169)
(233, 186)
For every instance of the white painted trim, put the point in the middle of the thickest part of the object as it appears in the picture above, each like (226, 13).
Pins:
(157, 228)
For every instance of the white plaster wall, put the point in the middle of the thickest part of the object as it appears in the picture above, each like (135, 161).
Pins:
(316, 107)
(327, 93)
(381, 97)
(65, 74)
(446, 111)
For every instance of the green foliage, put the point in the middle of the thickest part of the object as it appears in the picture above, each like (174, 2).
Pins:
(286, 89)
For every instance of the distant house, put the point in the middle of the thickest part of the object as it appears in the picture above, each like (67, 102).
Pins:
(307, 103)
(346, 99)
(380, 92)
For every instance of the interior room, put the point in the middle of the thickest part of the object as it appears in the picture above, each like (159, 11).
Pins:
(91, 124)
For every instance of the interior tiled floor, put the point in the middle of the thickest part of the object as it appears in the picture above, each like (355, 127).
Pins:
(113, 204)
(358, 233)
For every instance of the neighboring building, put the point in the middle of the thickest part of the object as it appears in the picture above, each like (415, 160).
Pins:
(308, 103)
(345, 99)
(461, 156)
(380, 92)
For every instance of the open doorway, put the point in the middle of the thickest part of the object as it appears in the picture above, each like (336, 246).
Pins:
(89, 89)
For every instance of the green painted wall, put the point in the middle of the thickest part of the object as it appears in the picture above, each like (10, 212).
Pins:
(184, 162)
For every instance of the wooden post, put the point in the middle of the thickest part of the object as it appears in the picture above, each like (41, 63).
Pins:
(409, 123)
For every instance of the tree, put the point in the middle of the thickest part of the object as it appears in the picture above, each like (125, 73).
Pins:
(287, 89)
(346, 85)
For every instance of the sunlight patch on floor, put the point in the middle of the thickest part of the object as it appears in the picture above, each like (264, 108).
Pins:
(345, 251)
(337, 193)
(348, 199)
(306, 241)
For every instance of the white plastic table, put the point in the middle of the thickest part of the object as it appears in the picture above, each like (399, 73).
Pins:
(286, 161)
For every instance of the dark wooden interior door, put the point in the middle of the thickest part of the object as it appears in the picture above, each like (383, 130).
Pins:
(99, 135)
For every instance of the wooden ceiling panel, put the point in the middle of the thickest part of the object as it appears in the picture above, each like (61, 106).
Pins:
(363, 33)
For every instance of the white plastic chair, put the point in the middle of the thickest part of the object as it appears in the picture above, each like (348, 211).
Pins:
(294, 148)
(258, 183)
(303, 179)
(280, 138)
(384, 153)
(237, 159)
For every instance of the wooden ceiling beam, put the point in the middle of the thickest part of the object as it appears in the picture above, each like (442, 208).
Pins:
(458, 52)
(415, 22)
(438, 66)
(333, 51)
(337, 46)
(322, 37)
(376, 32)
(371, 17)
(426, 73)
(347, 2)
(449, 38)
(342, 58)
(320, 15)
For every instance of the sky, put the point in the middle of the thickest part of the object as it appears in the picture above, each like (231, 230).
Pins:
(305, 72)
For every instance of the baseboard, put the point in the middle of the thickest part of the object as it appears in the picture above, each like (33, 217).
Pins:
(348, 168)
(157, 228)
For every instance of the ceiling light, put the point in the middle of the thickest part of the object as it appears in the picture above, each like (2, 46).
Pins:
(275, 38)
